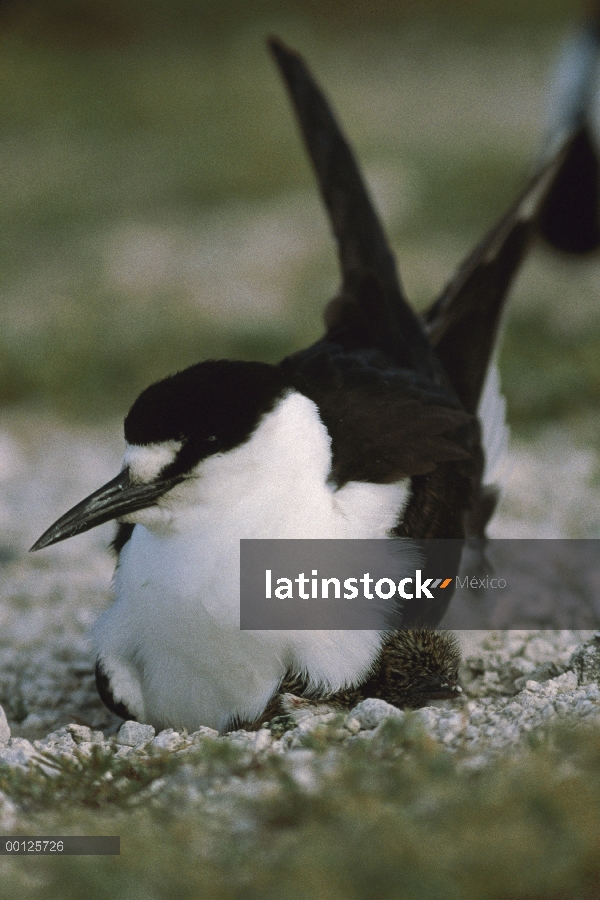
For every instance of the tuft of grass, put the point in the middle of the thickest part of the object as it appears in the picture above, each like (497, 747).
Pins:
(280, 724)
(90, 781)
(394, 817)
(101, 779)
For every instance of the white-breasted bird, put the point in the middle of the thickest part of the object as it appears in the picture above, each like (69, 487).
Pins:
(372, 432)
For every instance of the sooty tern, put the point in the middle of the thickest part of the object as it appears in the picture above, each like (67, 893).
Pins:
(570, 216)
(372, 432)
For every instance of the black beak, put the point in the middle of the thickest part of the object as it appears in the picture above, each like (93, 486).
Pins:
(446, 690)
(117, 498)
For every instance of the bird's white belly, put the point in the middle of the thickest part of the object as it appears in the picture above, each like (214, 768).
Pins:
(171, 643)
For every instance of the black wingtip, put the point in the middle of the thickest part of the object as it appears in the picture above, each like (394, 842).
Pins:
(570, 216)
(286, 59)
(277, 46)
(282, 51)
(463, 322)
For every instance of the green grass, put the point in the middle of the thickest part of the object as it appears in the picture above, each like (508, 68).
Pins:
(571, 382)
(399, 817)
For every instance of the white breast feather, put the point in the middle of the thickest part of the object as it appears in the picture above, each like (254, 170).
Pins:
(171, 642)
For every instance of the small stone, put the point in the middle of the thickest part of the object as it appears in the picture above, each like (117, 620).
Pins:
(18, 752)
(17, 743)
(134, 734)
(533, 686)
(240, 738)
(124, 751)
(453, 725)
(370, 712)
(202, 734)
(4, 728)
(80, 733)
(364, 735)
(565, 683)
(429, 716)
(353, 725)
(85, 748)
(313, 723)
(168, 740)
(262, 740)
(58, 741)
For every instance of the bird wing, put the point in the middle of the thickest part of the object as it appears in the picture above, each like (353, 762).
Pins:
(374, 362)
(385, 423)
(462, 326)
(463, 323)
(358, 317)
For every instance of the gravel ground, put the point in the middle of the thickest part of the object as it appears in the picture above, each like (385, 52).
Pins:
(513, 681)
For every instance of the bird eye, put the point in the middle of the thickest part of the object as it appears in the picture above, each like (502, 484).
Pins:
(213, 437)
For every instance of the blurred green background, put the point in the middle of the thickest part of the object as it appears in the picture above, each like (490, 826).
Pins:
(157, 208)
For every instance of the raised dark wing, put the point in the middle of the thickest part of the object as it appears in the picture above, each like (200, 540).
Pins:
(462, 326)
(359, 317)
(384, 369)
(463, 323)
(385, 423)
